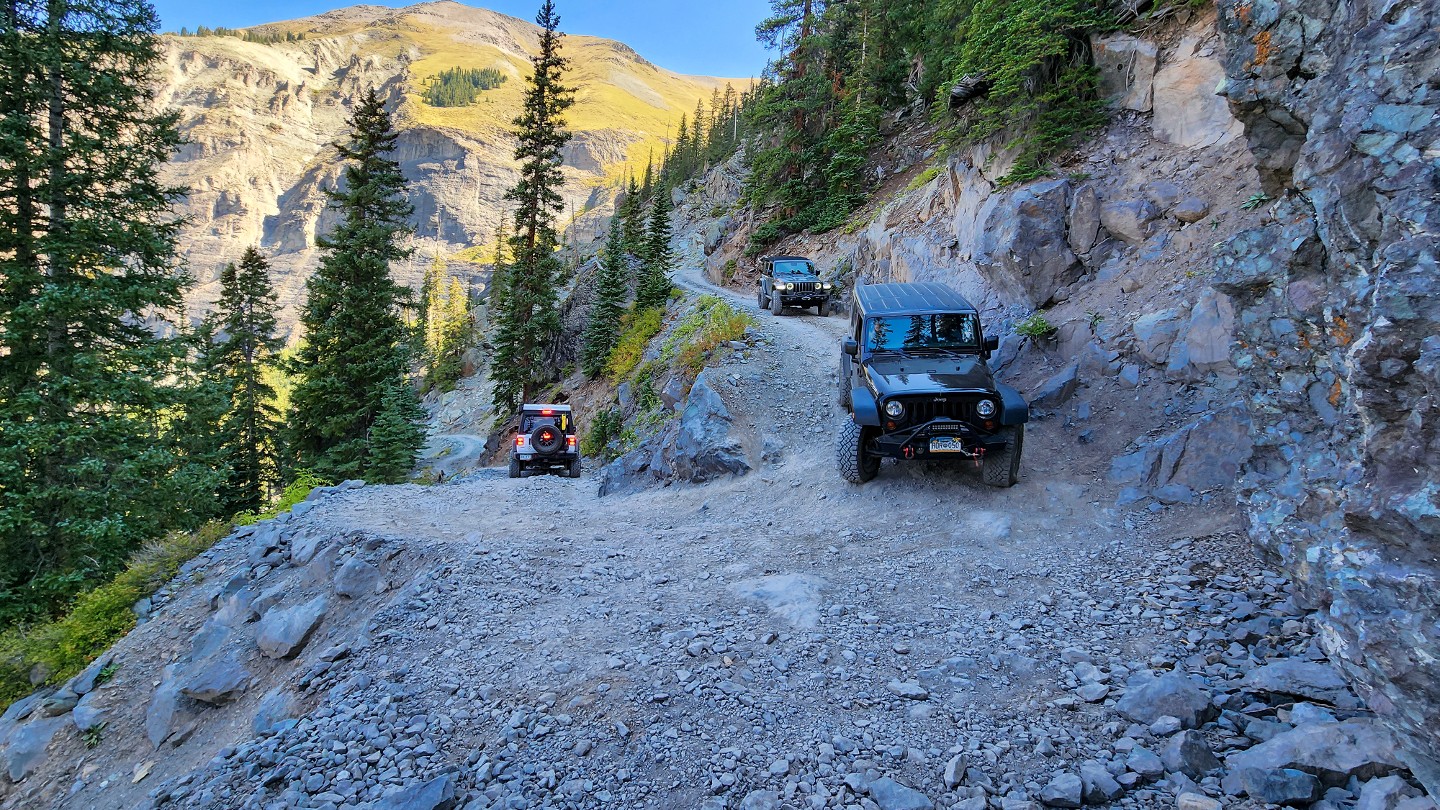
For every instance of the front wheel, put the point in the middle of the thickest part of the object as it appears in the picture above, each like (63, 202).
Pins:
(775, 304)
(823, 310)
(1002, 468)
(856, 465)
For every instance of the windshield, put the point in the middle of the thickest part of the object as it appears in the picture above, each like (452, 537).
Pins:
(794, 268)
(957, 331)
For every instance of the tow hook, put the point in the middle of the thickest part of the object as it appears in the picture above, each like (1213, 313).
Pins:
(907, 451)
(979, 456)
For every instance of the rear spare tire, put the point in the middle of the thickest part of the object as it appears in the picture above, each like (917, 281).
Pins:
(1001, 468)
(547, 440)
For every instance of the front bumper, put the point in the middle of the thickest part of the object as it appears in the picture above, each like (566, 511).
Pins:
(958, 439)
(803, 299)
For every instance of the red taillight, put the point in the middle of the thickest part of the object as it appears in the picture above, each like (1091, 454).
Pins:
(547, 412)
(570, 441)
(519, 440)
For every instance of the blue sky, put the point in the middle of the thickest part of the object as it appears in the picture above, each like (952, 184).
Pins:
(708, 38)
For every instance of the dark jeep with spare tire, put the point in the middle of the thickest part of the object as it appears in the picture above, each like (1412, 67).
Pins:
(791, 281)
(546, 442)
(915, 385)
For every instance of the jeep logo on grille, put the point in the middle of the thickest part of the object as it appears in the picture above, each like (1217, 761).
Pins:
(940, 399)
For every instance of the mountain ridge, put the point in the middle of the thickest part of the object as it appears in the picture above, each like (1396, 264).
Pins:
(261, 120)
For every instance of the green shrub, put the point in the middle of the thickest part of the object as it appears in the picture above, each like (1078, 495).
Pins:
(1035, 326)
(636, 330)
(63, 647)
(923, 177)
(604, 426)
(294, 493)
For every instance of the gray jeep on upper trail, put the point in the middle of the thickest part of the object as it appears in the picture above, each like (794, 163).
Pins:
(791, 281)
(915, 384)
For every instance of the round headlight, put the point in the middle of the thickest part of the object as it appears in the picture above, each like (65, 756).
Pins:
(894, 408)
(986, 408)
(828, 286)
(780, 285)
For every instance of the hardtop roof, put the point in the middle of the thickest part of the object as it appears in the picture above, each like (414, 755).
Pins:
(909, 299)
(787, 259)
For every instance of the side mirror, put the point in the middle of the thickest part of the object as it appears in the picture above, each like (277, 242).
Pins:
(992, 344)
(851, 347)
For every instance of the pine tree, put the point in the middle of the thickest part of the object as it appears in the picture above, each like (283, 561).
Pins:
(529, 319)
(653, 288)
(88, 357)
(602, 331)
(248, 348)
(632, 220)
(396, 437)
(356, 344)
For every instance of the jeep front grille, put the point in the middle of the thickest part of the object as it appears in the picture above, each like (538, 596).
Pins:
(804, 286)
(925, 409)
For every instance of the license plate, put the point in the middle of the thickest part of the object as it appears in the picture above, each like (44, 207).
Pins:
(946, 444)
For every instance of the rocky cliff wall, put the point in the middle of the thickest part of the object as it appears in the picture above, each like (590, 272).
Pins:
(1242, 270)
(1338, 311)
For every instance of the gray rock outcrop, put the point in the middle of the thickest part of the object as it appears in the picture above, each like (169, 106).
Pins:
(703, 444)
(1336, 310)
(284, 632)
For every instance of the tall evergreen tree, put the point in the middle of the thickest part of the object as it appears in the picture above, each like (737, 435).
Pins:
(88, 469)
(632, 220)
(247, 347)
(653, 287)
(602, 331)
(356, 345)
(529, 319)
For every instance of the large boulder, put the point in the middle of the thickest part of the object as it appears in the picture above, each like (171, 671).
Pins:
(892, 795)
(1025, 241)
(217, 682)
(435, 794)
(705, 443)
(1303, 679)
(24, 748)
(284, 632)
(1333, 752)
(1149, 697)
(1130, 220)
(1205, 454)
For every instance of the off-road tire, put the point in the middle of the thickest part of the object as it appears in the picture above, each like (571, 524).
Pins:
(1002, 468)
(514, 467)
(823, 309)
(842, 387)
(856, 465)
(575, 468)
(776, 305)
(760, 298)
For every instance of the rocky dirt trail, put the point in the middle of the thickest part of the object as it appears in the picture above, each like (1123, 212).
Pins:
(777, 640)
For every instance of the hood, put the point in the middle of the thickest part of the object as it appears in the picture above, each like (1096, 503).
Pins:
(903, 376)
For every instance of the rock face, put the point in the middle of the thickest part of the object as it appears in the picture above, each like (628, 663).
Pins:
(703, 444)
(1337, 309)
(261, 119)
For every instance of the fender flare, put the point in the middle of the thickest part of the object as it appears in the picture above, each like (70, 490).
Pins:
(1014, 410)
(864, 410)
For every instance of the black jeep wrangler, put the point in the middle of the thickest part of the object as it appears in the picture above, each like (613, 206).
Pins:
(546, 441)
(914, 381)
(791, 281)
